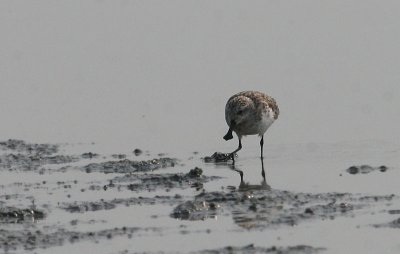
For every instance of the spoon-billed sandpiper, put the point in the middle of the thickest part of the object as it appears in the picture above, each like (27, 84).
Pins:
(250, 113)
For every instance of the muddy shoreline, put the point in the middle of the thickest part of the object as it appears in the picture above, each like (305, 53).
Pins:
(24, 211)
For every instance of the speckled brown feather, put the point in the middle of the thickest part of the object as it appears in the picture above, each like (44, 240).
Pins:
(257, 98)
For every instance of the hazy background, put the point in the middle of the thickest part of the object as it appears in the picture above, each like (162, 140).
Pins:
(157, 74)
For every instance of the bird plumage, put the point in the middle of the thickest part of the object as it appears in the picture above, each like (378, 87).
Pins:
(250, 113)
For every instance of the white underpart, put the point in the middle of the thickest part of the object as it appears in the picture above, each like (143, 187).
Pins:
(267, 119)
(260, 127)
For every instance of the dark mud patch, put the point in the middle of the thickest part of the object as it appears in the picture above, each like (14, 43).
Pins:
(30, 239)
(28, 189)
(299, 249)
(89, 222)
(265, 209)
(19, 155)
(392, 224)
(119, 156)
(26, 162)
(396, 211)
(249, 249)
(137, 152)
(365, 169)
(23, 147)
(17, 215)
(249, 206)
(129, 166)
(89, 155)
(195, 210)
(150, 182)
(91, 206)
(218, 157)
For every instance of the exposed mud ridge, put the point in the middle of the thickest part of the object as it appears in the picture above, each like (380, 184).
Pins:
(393, 224)
(128, 166)
(90, 206)
(365, 169)
(150, 182)
(17, 215)
(31, 239)
(118, 156)
(22, 146)
(250, 249)
(32, 162)
(262, 209)
(89, 155)
(19, 155)
(195, 210)
(218, 157)
(71, 206)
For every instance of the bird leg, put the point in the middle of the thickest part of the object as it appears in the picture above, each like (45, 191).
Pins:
(262, 157)
(237, 149)
(262, 168)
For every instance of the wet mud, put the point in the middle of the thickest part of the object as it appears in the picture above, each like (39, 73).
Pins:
(17, 215)
(262, 209)
(150, 182)
(25, 162)
(392, 224)
(21, 146)
(365, 169)
(251, 249)
(18, 155)
(218, 157)
(272, 250)
(129, 166)
(32, 238)
(137, 152)
(25, 207)
(21, 156)
(90, 206)
(89, 155)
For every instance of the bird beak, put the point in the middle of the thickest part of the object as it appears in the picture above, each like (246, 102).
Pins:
(228, 135)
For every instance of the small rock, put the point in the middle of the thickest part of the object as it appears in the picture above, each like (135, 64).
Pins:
(218, 157)
(382, 168)
(137, 152)
(195, 172)
(353, 170)
(119, 156)
(89, 155)
(309, 211)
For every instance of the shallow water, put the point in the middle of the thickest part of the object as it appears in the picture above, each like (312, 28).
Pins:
(302, 203)
(109, 77)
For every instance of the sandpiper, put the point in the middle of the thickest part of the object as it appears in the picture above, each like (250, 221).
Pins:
(250, 113)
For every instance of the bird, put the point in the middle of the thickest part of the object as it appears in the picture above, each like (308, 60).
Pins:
(250, 113)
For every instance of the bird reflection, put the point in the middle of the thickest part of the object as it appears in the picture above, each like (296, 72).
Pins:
(249, 187)
(243, 186)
